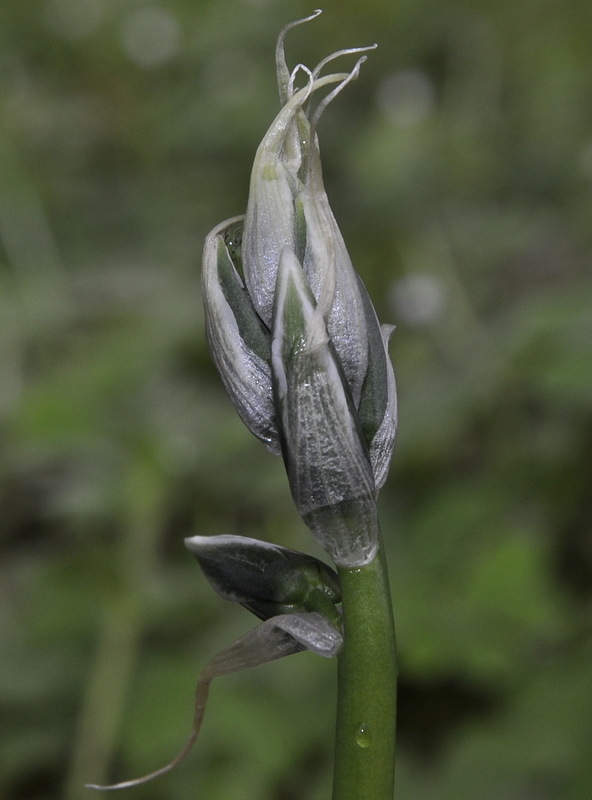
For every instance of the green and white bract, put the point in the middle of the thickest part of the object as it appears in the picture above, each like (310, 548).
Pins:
(267, 579)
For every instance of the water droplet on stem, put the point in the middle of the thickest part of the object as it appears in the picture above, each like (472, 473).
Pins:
(363, 735)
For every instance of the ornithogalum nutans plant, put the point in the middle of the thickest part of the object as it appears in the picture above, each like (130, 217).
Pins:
(303, 358)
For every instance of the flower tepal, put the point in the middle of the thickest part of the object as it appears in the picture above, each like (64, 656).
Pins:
(326, 457)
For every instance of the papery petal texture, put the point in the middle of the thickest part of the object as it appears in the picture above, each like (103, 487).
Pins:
(326, 458)
(382, 444)
(270, 219)
(312, 631)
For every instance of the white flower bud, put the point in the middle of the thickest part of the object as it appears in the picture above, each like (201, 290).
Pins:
(288, 207)
(320, 386)
(327, 461)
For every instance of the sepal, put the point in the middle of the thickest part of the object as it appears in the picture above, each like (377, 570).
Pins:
(277, 178)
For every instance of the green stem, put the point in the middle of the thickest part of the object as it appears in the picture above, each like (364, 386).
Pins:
(367, 686)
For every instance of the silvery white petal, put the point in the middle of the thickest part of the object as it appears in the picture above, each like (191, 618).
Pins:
(313, 631)
(275, 638)
(271, 222)
(326, 459)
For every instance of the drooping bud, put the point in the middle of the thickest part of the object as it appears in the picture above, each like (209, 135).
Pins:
(265, 578)
(326, 458)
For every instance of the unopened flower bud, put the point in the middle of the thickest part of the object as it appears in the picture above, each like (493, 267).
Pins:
(293, 331)
(288, 207)
(326, 458)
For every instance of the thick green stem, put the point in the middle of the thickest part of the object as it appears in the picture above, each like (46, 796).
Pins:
(367, 686)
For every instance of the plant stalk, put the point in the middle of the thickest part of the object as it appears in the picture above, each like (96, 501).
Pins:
(367, 686)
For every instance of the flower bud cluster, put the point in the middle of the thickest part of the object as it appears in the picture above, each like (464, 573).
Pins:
(293, 332)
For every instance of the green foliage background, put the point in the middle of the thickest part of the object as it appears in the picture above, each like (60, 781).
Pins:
(460, 169)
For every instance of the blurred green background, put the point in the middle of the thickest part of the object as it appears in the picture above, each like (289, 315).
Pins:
(460, 168)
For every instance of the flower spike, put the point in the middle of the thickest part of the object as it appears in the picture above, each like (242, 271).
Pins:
(296, 340)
